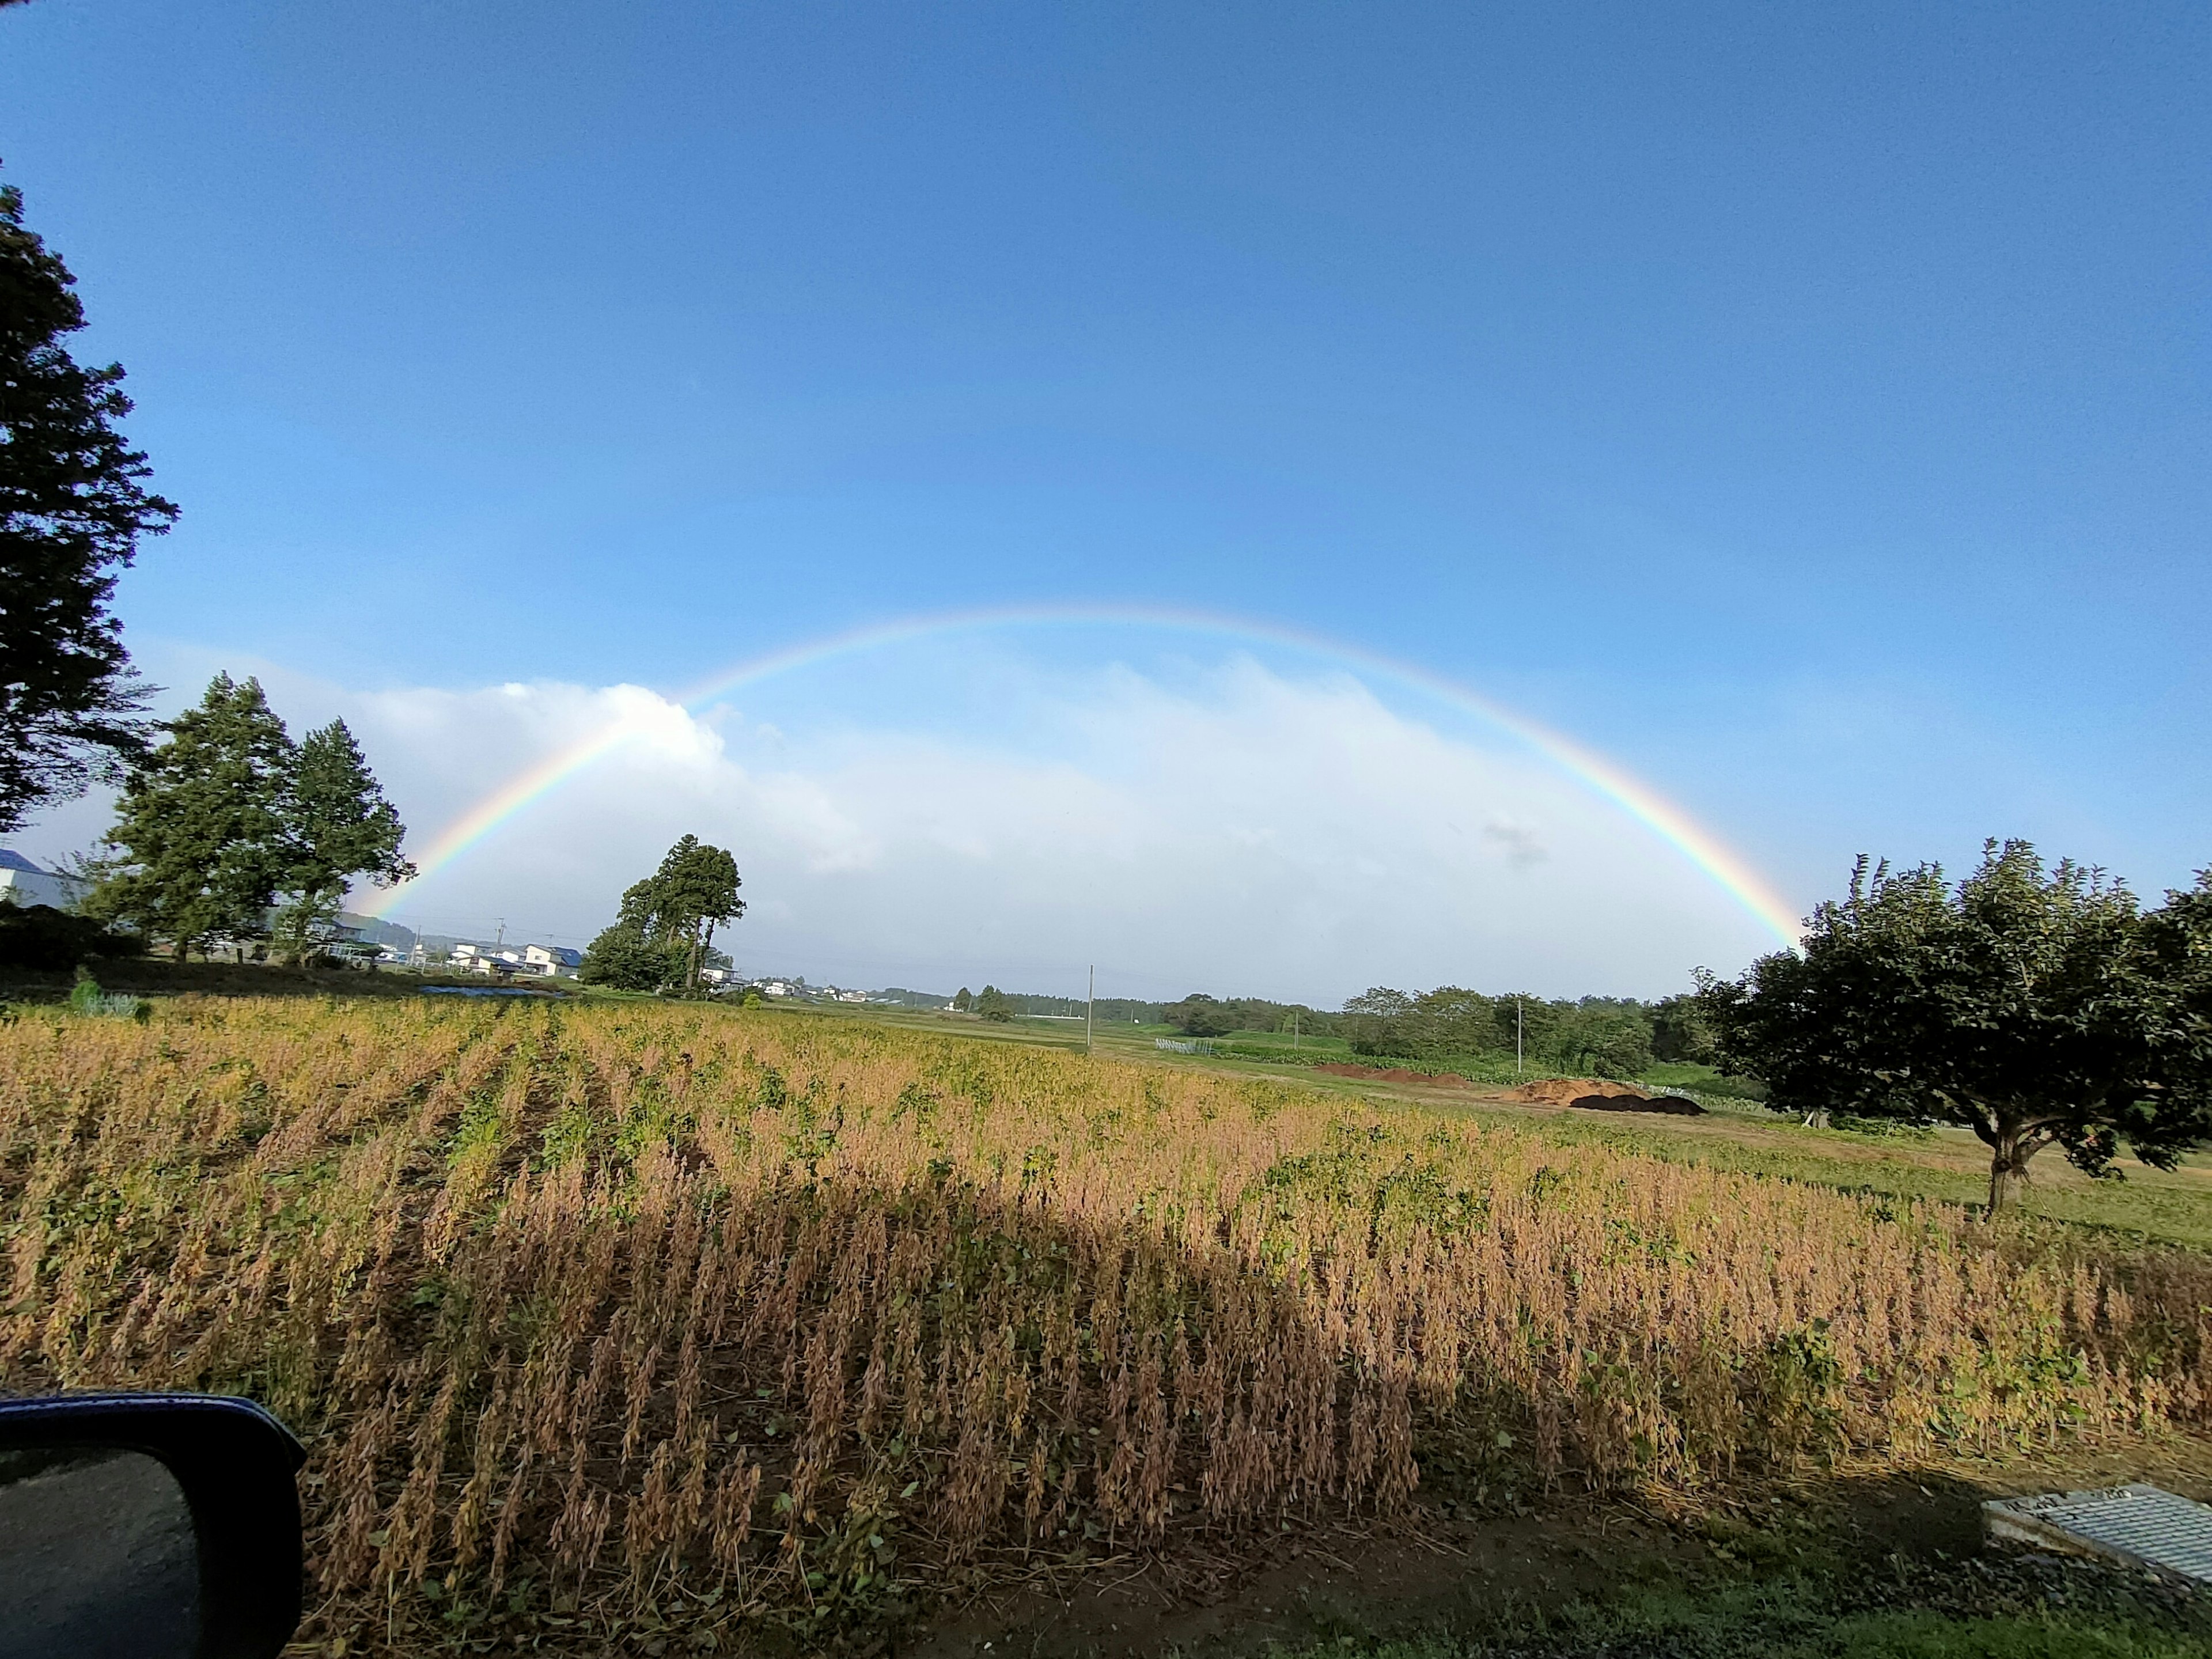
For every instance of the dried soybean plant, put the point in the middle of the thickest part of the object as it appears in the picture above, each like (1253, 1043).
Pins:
(678, 1316)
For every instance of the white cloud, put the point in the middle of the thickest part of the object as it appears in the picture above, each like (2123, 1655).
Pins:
(1246, 833)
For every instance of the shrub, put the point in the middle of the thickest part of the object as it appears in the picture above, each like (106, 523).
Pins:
(41, 936)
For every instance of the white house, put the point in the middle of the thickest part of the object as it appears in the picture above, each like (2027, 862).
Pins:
(553, 961)
(486, 959)
(23, 883)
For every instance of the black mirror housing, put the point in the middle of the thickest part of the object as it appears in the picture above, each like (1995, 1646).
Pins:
(235, 1465)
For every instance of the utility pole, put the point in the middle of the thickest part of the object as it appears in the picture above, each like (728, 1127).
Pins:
(500, 941)
(1090, 1010)
(1516, 1036)
(1294, 1031)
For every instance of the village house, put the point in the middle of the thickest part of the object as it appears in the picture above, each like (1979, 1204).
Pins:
(552, 961)
(24, 883)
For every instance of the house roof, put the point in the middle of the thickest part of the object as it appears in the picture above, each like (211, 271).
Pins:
(11, 859)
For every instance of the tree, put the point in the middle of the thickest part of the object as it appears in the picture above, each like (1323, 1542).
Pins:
(991, 1003)
(201, 838)
(1200, 1015)
(1680, 1031)
(965, 1001)
(668, 918)
(624, 959)
(2035, 1008)
(72, 507)
(339, 826)
(681, 905)
(700, 886)
(1600, 1036)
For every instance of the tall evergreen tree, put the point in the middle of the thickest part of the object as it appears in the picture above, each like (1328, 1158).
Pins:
(339, 826)
(669, 916)
(202, 840)
(73, 504)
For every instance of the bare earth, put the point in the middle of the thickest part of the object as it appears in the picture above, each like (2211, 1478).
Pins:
(1451, 1565)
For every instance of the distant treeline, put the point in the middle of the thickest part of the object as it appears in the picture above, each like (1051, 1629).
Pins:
(994, 1004)
(1122, 1010)
(1599, 1036)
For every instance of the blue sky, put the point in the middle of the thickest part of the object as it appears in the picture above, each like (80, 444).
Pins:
(1806, 407)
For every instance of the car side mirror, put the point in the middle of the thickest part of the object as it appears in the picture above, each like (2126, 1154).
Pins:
(147, 1526)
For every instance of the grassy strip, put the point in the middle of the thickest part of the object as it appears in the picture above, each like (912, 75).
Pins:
(1989, 1607)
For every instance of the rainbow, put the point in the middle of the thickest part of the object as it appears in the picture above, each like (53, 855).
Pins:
(1722, 865)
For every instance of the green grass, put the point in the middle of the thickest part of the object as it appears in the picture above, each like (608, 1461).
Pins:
(1951, 1166)
(2005, 1613)
(1700, 1079)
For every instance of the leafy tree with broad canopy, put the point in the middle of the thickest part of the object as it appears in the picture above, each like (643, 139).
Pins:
(2034, 1008)
(1201, 1016)
(73, 504)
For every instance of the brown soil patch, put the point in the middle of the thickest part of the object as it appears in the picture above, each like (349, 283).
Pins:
(1452, 1565)
(1395, 1074)
(1672, 1105)
(1571, 1090)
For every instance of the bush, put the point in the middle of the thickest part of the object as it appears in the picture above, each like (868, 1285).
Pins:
(622, 959)
(41, 937)
(88, 999)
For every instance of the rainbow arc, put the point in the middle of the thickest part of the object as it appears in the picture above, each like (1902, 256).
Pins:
(1724, 866)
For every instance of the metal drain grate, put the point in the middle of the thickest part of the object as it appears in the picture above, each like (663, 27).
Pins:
(2141, 1525)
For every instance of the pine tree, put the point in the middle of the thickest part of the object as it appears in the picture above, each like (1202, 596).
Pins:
(339, 826)
(72, 507)
(679, 905)
(203, 843)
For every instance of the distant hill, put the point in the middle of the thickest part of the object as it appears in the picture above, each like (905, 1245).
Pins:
(376, 931)
(906, 999)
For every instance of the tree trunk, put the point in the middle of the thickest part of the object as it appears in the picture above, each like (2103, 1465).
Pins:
(2008, 1156)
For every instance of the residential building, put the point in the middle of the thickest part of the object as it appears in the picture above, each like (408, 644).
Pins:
(24, 883)
(552, 961)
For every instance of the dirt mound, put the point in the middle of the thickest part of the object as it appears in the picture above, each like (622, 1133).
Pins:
(1593, 1094)
(1674, 1105)
(1395, 1074)
(1570, 1090)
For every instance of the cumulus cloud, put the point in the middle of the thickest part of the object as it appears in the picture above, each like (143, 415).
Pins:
(1246, 832)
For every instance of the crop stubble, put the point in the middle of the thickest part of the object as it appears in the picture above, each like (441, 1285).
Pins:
(601, 1313)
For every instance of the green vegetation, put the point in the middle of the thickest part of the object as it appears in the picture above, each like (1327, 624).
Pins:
(2033, 1009)
(1596, 1037)
(665, 933)
(42, 938)
(73, 505)
(229, 815)
(338, 826)
(1999, 1607)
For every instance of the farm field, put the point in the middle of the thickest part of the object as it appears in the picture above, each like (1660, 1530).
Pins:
(1948, 1166)
(619, 1321)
